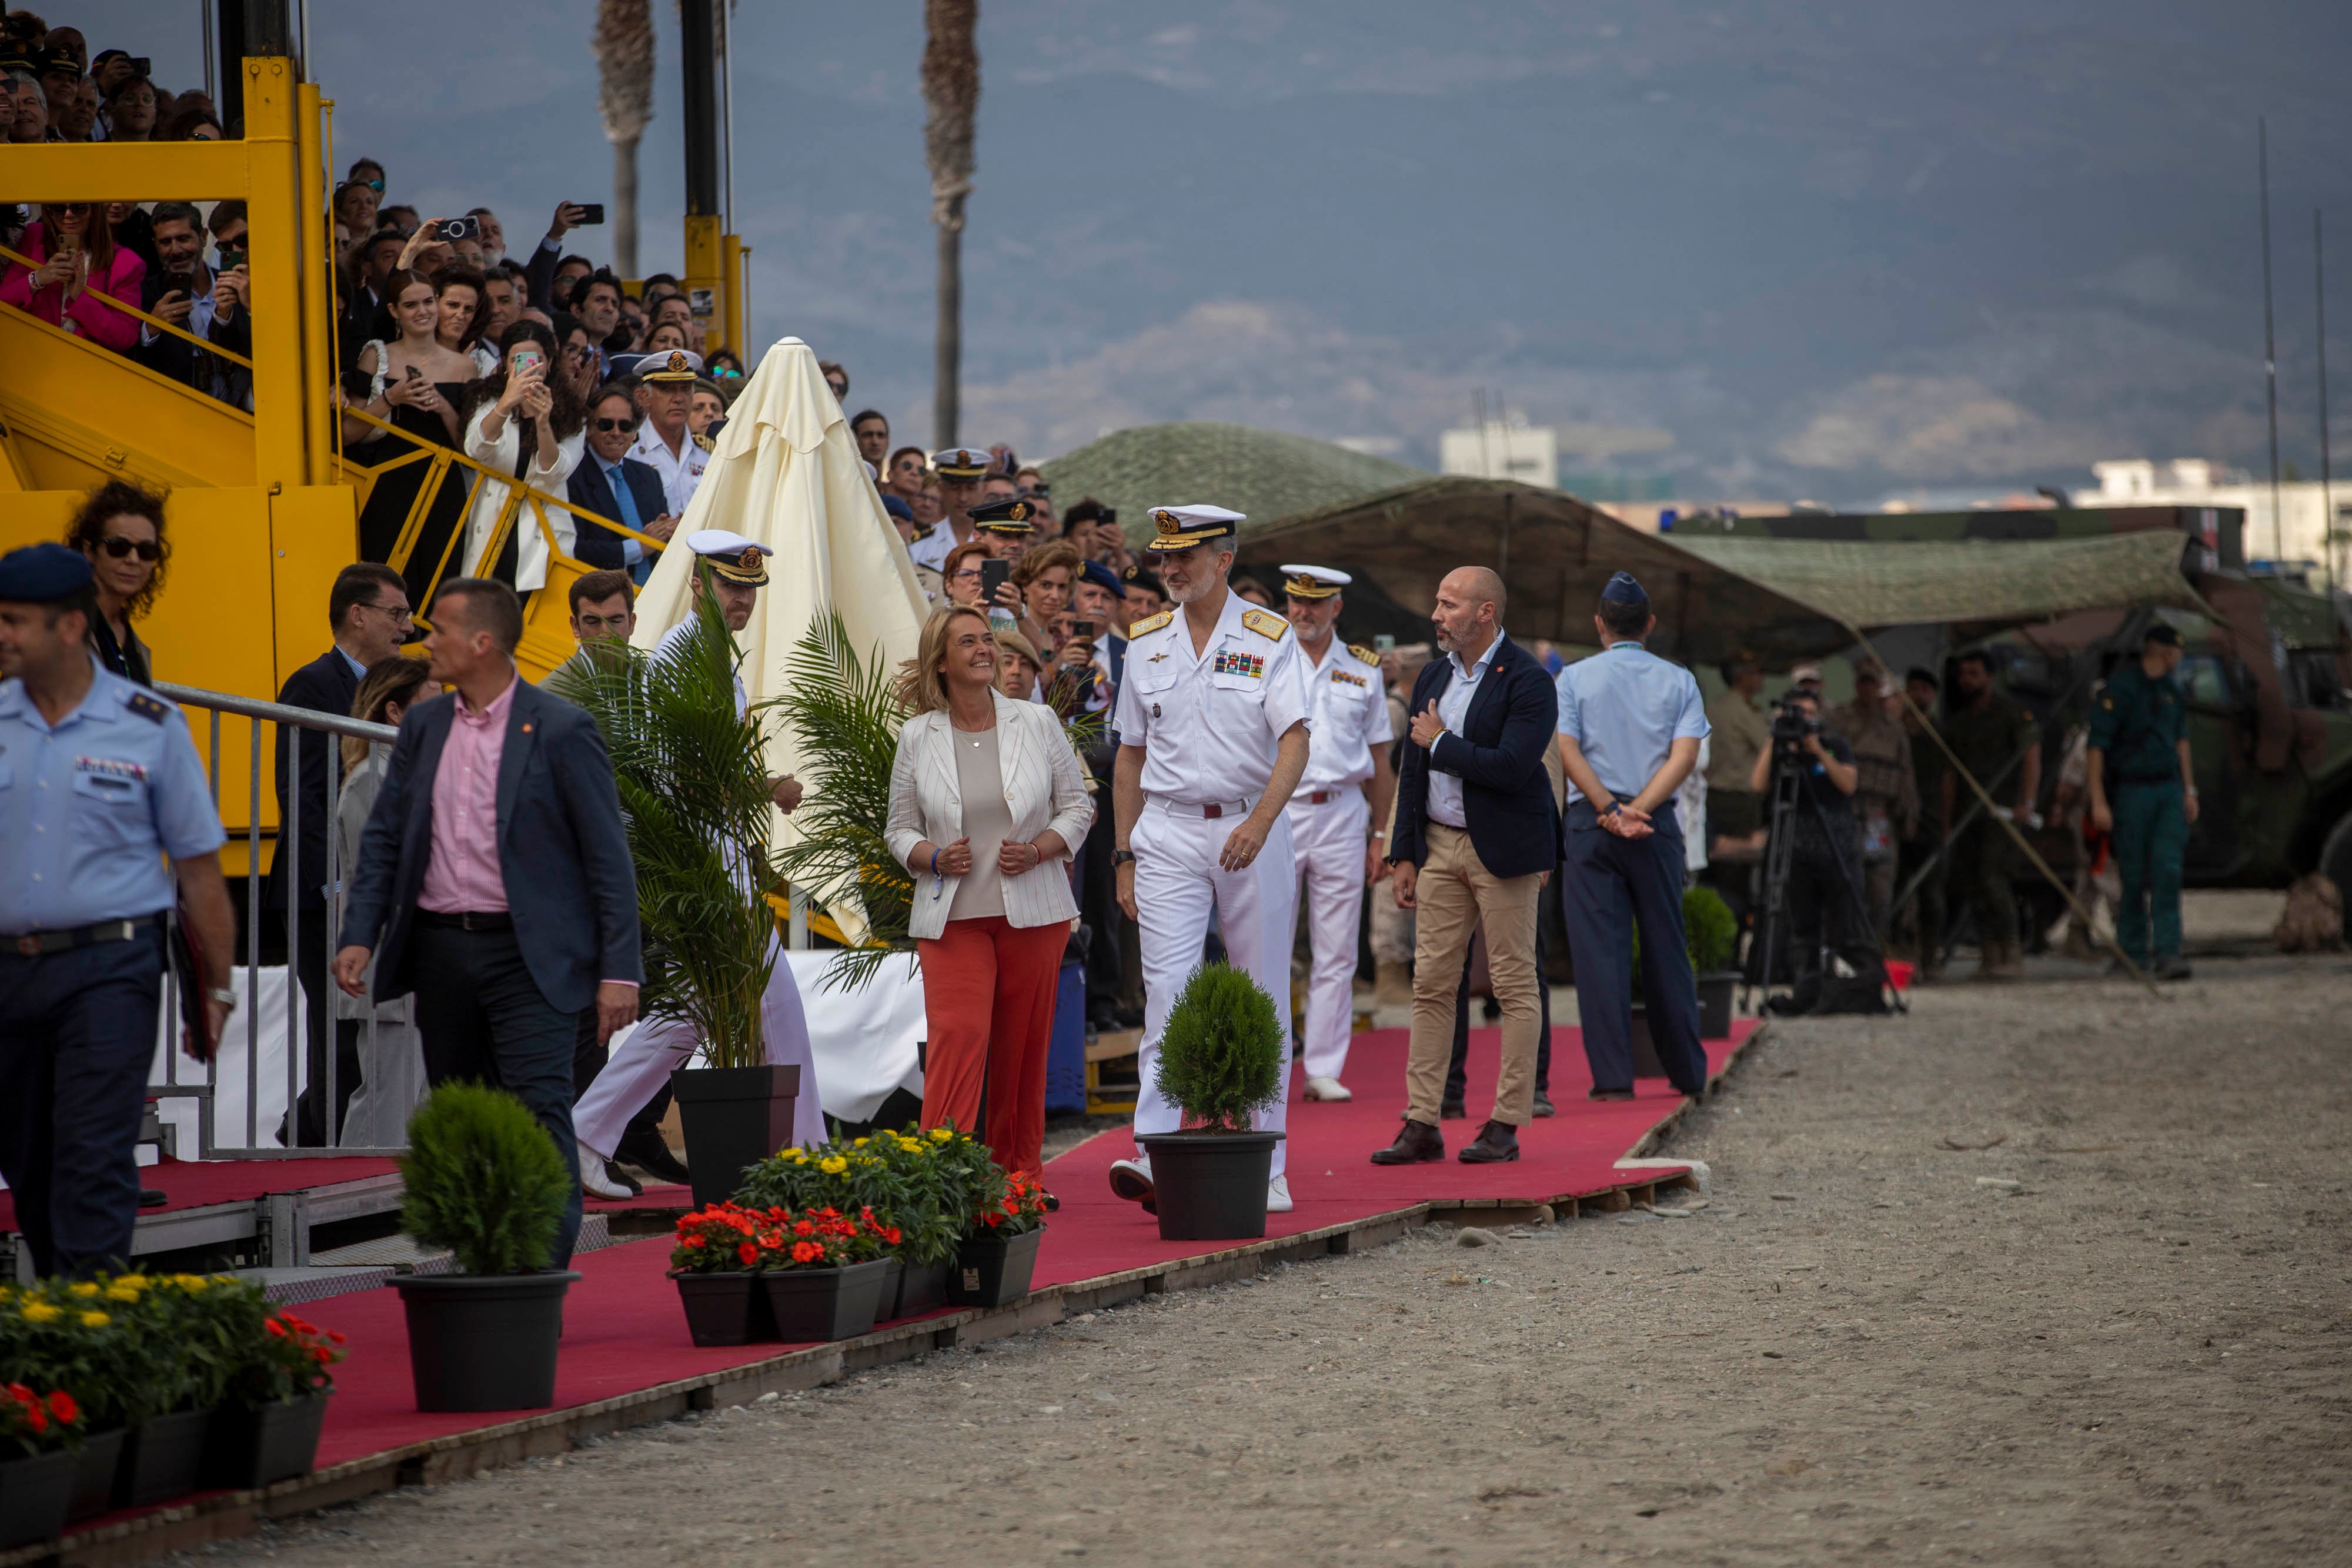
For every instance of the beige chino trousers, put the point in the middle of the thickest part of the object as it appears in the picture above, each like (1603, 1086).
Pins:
(1454, 895)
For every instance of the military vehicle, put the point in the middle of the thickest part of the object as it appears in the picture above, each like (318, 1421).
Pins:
(2265, 675)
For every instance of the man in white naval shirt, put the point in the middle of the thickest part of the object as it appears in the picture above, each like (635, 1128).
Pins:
(666, 396)
(1212, 725)
(1345, 792)
(961, 470)
(642, 1063)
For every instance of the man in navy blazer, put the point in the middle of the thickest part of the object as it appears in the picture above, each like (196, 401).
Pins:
(1475, 837)
(495, 876)
(611, 484)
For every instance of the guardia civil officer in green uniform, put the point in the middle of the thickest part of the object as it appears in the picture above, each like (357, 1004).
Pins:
(2144, 792)
(98, 784)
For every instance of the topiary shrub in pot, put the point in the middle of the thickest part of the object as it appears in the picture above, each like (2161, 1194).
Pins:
(483, 1182)
(1711, 933)
(1220, 1060)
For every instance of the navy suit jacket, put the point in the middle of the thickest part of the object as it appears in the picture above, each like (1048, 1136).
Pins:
(1499, 754)
(597, 545)
(327, 684)
(562, 851)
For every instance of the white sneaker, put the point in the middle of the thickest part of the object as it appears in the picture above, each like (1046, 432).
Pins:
(1277, 1195)
(1131, 1180)
(595, 1181)
(1327, 1089)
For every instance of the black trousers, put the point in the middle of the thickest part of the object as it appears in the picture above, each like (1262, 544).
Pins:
(319, 993)
(1822, 918)
(1457, 1079)
(76, 1034)
(483, 1018)
(588, 1058)
(1613, 887)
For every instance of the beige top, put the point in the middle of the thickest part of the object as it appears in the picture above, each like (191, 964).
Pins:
(1740, 731)
(987, 821)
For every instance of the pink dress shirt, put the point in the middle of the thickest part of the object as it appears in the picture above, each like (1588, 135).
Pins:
(463, 873)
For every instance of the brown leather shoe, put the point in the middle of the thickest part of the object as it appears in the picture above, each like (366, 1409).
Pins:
(1496, 1142)
(1415, 1142)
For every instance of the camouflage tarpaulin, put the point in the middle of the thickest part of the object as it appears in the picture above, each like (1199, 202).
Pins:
(1262, 473)
(1974, 582)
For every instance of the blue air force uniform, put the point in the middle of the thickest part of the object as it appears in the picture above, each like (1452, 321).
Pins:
(89, 808)
(1625, 707)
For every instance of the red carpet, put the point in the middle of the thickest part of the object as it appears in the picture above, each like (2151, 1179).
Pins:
(624, 1330)
(194, 1183)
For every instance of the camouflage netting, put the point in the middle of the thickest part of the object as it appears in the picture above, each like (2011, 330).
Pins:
(1264, 474)
(1971, 582)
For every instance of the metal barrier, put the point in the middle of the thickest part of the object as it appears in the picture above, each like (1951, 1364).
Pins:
(292, 722)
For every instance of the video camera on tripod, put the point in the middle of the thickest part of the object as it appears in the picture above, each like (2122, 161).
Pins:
(1791, 724)
(1796, 722)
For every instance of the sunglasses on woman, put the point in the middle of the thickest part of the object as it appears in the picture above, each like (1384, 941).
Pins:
(73, 209)
(120, 546)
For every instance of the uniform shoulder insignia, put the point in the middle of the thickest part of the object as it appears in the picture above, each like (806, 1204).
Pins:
(147, 707)
(1366, 655)
(1265, 624)
(706, 443)
(1150, 623)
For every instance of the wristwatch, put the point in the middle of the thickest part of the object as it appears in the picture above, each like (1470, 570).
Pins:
(1122, 857)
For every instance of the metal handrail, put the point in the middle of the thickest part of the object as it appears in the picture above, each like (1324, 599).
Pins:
(29, 264)
(250, 708)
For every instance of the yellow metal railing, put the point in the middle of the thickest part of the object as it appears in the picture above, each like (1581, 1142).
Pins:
(231, 355)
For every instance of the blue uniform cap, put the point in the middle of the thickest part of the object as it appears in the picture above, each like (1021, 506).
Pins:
(1101, 575)
(42, 574)
(1623, 589)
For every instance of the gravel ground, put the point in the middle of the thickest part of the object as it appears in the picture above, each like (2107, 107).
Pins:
(2048, 1274)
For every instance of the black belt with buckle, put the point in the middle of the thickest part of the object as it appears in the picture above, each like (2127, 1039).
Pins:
(466, 919)
(33, 944)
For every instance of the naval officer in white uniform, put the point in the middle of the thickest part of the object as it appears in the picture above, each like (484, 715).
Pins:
(642, 1063)
(1213, 732)
(1346, 789)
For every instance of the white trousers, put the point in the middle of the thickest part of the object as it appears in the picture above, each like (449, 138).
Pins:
(1328, 842)
(1178, 884)
(644, 1059)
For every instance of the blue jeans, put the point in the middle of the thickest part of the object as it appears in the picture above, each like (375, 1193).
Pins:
(482, 1018)
(76, 1034)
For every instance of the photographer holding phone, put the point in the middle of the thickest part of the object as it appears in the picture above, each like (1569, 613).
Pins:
(539, 273)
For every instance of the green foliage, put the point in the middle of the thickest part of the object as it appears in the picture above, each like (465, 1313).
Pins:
(693, 781)
(483, 1179)
(844, 711)
(1221, 1054)
(923, 1184)
(1710, 931)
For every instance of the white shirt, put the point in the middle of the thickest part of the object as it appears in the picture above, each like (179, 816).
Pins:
(680, 471)
(932, 549)
(1444, 799)
(1347, 712)
(1210, 723)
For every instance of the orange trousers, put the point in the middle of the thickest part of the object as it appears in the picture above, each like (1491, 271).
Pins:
(988, 1000)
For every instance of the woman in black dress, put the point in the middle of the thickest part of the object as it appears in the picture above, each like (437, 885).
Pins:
(414, 383)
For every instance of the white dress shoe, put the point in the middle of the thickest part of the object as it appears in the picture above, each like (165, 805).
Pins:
(1327, 1089)
(596, 1181)
(1277, 1195)
(1131, 1180)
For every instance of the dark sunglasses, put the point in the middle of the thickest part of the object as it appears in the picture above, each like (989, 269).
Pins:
(616, 424)
(119, 547)
(73, 209)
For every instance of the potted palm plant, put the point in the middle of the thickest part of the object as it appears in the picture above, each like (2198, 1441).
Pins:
(1221, 1058)
(483, 1180)
(693, 783)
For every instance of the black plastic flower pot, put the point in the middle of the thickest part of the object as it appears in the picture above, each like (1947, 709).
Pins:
(161, 1458)
(1210, 1187)
(992, 1268)
(33, 1497)
(725, 1308)
(93, 1477)
(1715, 997)
(484, 1341)
(922, 1288)
(818, 1304)
(1645, 1052)
(734, 1117)
(261, 1444)
(894, 1275)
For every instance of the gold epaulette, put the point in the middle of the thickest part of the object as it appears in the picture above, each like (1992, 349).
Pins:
(1150, 623)
(1366, 655)
(1266, 623)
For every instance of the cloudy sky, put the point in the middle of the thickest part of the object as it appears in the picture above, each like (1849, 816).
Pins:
(1842, 249)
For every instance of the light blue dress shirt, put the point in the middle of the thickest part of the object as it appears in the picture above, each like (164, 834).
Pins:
(1625, 707)
(90, 808)
(1444, 803)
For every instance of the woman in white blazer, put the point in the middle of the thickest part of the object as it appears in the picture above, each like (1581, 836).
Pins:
(525, 393)
(987, 802)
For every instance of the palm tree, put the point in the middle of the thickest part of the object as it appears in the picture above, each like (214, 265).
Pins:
(625, 98)
(952, 94)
